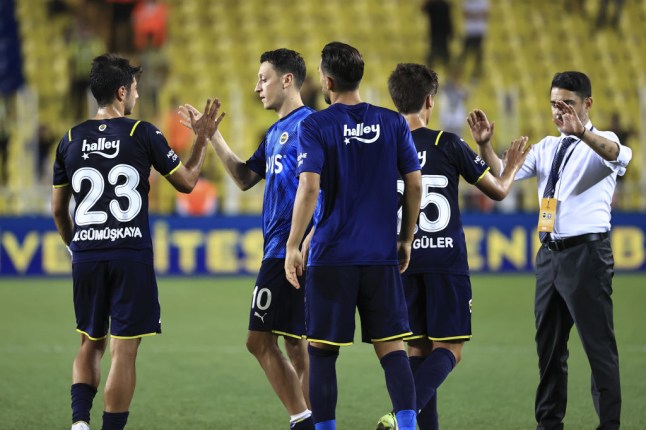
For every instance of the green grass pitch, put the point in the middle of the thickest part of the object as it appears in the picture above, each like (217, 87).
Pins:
(199, 375)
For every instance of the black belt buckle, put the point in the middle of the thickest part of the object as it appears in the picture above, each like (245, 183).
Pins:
(555, 245)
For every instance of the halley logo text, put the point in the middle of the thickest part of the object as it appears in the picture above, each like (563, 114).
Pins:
(98, 147)
(422, 158)
(359, 130)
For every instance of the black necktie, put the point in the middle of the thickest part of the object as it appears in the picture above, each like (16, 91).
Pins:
(555, 173)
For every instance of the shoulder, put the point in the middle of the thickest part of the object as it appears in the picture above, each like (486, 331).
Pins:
(438, 138)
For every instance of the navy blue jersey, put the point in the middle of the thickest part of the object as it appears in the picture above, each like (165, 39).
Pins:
(107, 163)
(275, 161)
(439, 245)
(359, 151)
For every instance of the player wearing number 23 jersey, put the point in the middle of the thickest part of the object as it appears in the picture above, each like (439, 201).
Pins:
(107, 164)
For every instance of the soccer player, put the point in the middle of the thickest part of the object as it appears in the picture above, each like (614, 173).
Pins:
(277, 309)
(353, 153)
(104, 163)
(437, 286)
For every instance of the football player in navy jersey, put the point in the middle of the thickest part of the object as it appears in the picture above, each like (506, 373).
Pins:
(277, 309)
(352, 153)
(437, 285)
(104, 163)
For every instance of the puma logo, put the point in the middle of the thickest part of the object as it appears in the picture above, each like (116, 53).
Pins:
(262, 317)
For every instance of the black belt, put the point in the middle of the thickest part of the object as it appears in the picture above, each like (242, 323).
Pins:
(569, 242)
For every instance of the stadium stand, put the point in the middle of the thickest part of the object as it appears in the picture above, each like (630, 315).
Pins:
(214, 48)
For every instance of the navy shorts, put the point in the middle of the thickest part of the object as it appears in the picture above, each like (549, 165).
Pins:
(439, 306)
(118, 294)
(277, 306)
(333, 294)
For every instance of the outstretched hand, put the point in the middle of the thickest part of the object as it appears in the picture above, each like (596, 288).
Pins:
(184, 110)
(206, 124)
(514, 157)
(481, 128)
(567, 120)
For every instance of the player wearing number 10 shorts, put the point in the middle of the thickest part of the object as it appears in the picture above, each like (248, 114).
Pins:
(104, 163)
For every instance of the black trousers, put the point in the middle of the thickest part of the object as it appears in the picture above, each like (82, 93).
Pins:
(573, 287)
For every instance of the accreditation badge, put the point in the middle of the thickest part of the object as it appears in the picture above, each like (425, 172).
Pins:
(547, 215)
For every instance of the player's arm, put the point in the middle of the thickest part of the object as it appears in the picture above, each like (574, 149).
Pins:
(304, 205)
(61, 197)
(241, 174)
(410, 212)
(497, 187)
(481, 131)
(186, 176)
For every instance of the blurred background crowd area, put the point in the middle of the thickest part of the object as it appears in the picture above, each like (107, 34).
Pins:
(497, 55)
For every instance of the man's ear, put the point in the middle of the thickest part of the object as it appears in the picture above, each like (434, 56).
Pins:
(121, 93)
(288, 80)
(430, 101)
(329, 84)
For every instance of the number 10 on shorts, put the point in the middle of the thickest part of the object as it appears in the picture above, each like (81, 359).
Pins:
(261, 298)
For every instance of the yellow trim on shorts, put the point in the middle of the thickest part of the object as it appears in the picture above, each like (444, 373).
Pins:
(419, 336)
(329, 342)
(386, 339)
(440, 339)
(172, 171)
(90, 337)
(437, 139)
(69, 134)
(482, 176)
(133, 128)
(132, 337)
(282, 333)
(61, 185)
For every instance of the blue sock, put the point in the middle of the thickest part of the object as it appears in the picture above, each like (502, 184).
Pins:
(323, 386)
(114, 420)
(82, 397)
(406, 420)
(326, 425)
(427, 418)
(401, 387)
(432, 372)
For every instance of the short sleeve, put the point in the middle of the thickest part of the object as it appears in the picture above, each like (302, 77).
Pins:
(407, 158)
(469, 164)
(311, 152)
(625, 155)
(258, 161)
(60, 178)
(164, 158)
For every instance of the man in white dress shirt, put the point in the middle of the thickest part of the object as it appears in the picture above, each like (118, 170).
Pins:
(577, 174)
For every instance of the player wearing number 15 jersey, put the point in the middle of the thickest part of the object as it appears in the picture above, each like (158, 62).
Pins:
(104, 163)
(437, 285)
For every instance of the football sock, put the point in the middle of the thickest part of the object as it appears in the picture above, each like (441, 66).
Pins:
(298, 417)
(431, 373)
(114, 420)
(82, 397)
(323, 386)
(415, 361)
(406, 420)
(326, 425)
(427, 418)
(401, 387)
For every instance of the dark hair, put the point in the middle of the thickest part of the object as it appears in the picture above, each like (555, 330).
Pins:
(287, 61)
(109, 73)
(343, 64)
(573, 81)
(409, 85)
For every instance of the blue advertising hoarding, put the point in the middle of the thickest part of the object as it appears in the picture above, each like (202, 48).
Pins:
(233, 245)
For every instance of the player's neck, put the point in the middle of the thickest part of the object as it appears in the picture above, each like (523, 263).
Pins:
(110, 111)
(346, 98)
(288, 106)
(415, 121)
